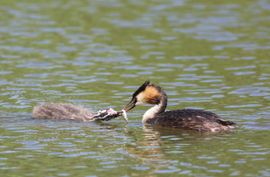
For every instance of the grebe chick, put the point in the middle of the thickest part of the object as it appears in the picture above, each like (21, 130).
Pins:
(190, 119)
(72, 112)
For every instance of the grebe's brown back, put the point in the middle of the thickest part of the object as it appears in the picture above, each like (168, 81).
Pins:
(191, 119)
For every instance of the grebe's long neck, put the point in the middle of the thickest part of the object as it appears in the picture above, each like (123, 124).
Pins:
(151, 113)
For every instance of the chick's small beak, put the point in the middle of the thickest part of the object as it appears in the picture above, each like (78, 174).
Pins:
(130, 105)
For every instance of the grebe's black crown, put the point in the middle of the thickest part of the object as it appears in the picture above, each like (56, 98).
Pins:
(141, 88)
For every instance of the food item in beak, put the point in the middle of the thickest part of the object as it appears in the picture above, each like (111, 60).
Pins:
(109, 114)
(124, 113)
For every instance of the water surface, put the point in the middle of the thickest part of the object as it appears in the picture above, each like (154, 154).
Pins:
(208, 55)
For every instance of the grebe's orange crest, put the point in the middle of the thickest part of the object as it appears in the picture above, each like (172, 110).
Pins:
(151, 95)
(146, 93)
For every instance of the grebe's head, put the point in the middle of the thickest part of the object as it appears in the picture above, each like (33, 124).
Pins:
(147, 93)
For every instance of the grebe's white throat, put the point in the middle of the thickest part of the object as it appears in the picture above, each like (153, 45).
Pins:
(151, 113)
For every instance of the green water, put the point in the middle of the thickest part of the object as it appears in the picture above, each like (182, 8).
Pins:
(205, 54)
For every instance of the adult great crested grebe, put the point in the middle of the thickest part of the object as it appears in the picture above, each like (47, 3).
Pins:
(191, 119)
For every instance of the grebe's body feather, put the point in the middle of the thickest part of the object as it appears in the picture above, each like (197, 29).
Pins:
(199, 120)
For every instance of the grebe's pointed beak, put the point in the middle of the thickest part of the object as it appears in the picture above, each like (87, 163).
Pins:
(131, 104)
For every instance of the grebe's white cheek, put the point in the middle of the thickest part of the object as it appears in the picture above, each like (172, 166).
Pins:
(139, 103)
